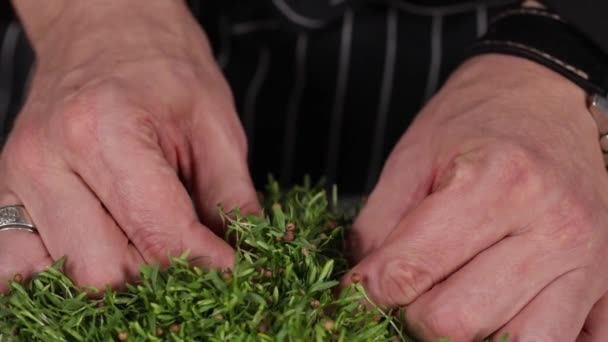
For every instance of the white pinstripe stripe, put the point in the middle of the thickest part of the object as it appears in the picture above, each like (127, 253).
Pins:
(386, 90)
(482, 19)
(253, 90)
(333, 148)
(7, 60)
(289, 140)
(435, 63)
(297, 17)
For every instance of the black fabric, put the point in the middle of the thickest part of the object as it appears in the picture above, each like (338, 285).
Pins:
(589, 16)
(521, 32)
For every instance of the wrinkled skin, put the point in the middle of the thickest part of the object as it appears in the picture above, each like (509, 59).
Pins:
(490, 214)
(119, 127)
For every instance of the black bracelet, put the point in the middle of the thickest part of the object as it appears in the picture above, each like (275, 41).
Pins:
(545, 38)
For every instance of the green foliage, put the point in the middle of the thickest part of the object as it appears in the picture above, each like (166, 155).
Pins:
(284, 287)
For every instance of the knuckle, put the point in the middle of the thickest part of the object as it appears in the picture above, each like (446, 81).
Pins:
(155, 245)
(516, 168)
(573, 222)
(401, 282)
(98, 275)
(80, 115)
(448, 323)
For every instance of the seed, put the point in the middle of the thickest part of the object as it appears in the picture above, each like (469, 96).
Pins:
(123, 336)
(377, 317)
(268, 273)
(321, 314)
(355, 278)
(263, 327)
(323, 236)
(175, 328)
(290, 227)
(219, 317)
(227, 275)
(329, 324)
(314, 246)
(315, 304)
(159, 331)
(279, 238)
(17, 278)
(305, 251)
(289, 236)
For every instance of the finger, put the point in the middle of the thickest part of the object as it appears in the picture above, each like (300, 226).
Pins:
(73, 223)
(127, 170)
(21, 252)
(556, 314)
(221, 175)
(446, 230)
(404, 182)
(596, 326)
(493, 287)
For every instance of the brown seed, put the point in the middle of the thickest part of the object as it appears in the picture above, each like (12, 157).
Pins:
(17, 278)
(289, 236)
(227, 275)
(355, 278)
(279, 238)
(315, 304)
(268, 273)
(305, 251)
(290, 227)
(323, 236)
(219, 317)
(321, 314)
(314, 246)
(159, 331)
(263, 327)
(175, 328)
(377, 317)
(329, 324)
(123, 336)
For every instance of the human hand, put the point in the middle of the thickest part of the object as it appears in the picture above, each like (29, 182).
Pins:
(490, 214)
(127, 105)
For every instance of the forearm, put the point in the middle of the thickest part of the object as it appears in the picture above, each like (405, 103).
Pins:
(43, 19)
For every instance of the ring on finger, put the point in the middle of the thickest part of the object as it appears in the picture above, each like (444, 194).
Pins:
(16, 217)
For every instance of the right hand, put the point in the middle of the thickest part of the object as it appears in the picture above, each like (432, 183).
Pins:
(127, 114)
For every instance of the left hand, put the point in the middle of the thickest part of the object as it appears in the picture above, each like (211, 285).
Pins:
(490, 215)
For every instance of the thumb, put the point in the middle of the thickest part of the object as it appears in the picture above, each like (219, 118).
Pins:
(221, 176)
(405, 180)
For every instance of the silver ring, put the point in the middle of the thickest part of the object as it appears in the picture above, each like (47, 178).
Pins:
(15, 217)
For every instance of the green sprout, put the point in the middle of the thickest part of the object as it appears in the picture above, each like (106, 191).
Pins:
(284, 286)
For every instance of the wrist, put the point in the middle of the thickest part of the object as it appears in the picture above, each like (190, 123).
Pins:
(69, 32)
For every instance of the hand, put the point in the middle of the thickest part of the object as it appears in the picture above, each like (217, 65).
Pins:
(127, 106)
(490, 214)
